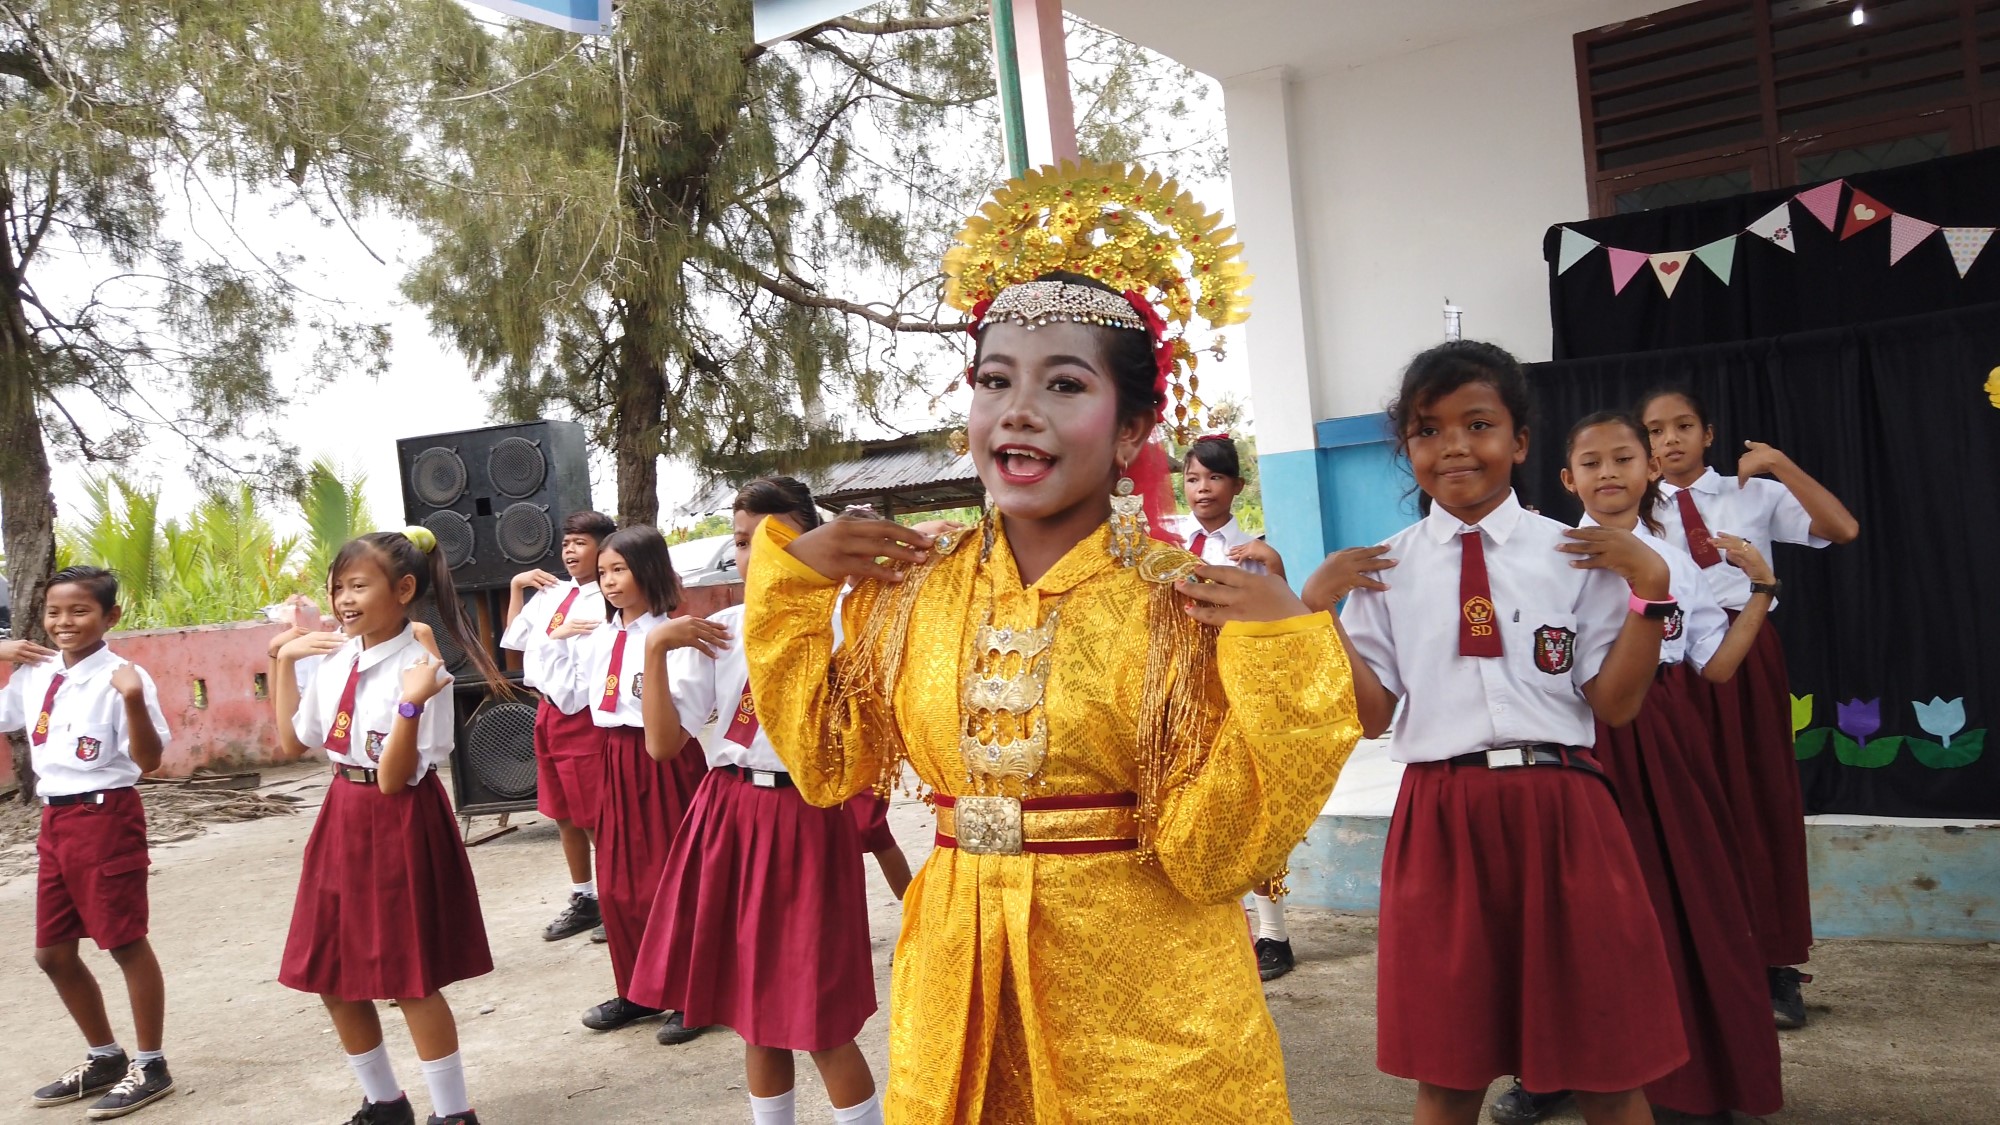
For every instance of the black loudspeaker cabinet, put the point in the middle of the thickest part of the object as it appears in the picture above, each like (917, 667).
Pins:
(496, 497)
(493, 751)
(484, 611)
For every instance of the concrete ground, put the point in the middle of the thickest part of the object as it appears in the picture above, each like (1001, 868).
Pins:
(1900, 1033)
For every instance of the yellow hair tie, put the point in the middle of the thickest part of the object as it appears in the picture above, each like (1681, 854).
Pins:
(425, 539)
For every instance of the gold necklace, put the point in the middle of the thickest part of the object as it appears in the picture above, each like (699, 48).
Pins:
(1003, 730)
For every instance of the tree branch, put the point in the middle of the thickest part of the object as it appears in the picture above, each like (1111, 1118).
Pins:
(894, 321)
(897, 27)
(865, 71)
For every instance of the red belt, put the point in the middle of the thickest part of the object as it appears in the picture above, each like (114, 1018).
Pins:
(1068, 824)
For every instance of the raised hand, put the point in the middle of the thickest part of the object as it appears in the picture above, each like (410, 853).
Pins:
(857, 547)
(1344, 572)
(576, 627)
(1744, 556)
(24, 652)
(310, 644)
(1758, 459)
(1217, 595)
(698, 633)
(421, 679)
(539, 579)
(1608, 548)
(126, 682)
(1256, 551)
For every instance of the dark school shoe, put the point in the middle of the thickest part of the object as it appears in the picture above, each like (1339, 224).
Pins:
(92, 1076)
(1787, 1005)
(673, 1032)
(144, 1083)
(616, 1013)
(397, 1112)
(1274, 958)
(581, 914)
(466, 1118)
(1519, 1107)
(597, 936)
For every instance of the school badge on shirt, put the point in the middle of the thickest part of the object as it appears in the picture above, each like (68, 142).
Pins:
(87, 749)
(1555, 649)
(638, 685)
(372, 746)
(1675, 621)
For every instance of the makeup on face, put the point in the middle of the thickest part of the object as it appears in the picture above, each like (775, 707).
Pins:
(1044, 419)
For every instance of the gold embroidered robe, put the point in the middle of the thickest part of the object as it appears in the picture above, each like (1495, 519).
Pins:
(1052, 989)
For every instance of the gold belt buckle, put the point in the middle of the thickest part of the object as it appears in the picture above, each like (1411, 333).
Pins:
(987, 825)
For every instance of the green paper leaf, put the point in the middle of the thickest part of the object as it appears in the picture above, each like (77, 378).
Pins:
(1877, 753)
(1964, 750)
(1810, 744)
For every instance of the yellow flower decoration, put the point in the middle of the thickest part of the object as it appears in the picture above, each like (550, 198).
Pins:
(1993, 387)
(1133, 230)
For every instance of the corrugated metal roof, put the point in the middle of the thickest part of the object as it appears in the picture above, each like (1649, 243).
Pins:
(917, 473)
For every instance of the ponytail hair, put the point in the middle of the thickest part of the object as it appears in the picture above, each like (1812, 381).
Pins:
(644, 550)
(412, 553)
(1649, 500)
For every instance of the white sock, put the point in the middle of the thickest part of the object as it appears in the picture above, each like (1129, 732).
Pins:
(1270, 918)
(148, 1056)
(867, 1113)
(773, 1110)
(446, 1079)
(378, 1078)
(106, 1051)
(587, 889)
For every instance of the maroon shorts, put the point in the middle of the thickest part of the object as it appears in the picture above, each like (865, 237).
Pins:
(93, 872)
(871, 821)
(569, 766)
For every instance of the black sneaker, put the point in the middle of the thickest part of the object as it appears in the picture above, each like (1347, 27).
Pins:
(1274, 958)
(466, 1118)
(144, 1083)
(1519, 1107)
(397, 1112)
(616, 1013)
(581, 914)
(597, 935)
(1786, 1004)
(90, 1077)
(673, 1032)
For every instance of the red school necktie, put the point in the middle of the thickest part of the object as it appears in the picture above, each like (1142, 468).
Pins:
(1476, 633)
(743, 728)
(1195, 544)
(562, 611)
(609, 701)
(1700, 544)
(340, 737)
(41, 731)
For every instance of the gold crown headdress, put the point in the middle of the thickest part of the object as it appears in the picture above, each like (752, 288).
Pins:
(1133, 230)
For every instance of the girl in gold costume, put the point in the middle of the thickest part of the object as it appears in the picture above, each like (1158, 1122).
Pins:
(1118, 741)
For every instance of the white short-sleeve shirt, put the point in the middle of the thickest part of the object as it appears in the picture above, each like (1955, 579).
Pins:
(376, 695)
(1696, 628)
(528, 633)
(1216, 547)
(711, 688)
(1762, 511)
(89, 744)
(586, 672)
(1557, 625)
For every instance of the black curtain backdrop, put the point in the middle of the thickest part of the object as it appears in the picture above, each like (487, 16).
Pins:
(1826, 283)
(1894, 417)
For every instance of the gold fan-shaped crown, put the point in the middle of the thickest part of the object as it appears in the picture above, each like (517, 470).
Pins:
(1135, 231)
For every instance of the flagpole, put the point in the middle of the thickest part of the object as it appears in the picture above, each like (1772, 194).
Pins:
(1007, 68)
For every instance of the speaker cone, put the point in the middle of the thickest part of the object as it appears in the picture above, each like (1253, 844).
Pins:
(454, 536)
(516, 467)
(525, 532)
(500, 749)
(438, 476)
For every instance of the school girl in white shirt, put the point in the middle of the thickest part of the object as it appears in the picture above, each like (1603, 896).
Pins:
(1753, 711)
(387, 908)
(644, 798)
(1512, 904)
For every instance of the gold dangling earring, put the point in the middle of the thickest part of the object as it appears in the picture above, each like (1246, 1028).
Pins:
(1128, 522)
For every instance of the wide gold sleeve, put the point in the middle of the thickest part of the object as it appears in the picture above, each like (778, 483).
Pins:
(1288, 724)
(788, 638)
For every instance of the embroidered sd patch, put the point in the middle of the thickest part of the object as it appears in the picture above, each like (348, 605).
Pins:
(1555, 649)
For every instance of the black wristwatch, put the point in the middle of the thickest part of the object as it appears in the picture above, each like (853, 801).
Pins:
(1770, 588)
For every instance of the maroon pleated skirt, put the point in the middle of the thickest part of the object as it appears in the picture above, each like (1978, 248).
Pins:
(761, 923)
(1517, 936)
(1750, 720)
(387, 908)
(569, 766)
(644, 802)
(1670, 794)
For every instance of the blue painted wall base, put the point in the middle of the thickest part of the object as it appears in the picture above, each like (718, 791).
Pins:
(1349, 491)
(1891, 882)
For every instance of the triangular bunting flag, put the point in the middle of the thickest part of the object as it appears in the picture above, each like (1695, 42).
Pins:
(1776, 227)
(1966, 243)
(1719, 256)
(1823, 201)
(1863, 211)
(1624, 263)
(1574, 247)
(1669, 268)
(1905, 233)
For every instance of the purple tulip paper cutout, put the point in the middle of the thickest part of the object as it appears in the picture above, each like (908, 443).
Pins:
(1944, 720)
(1859, 719)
